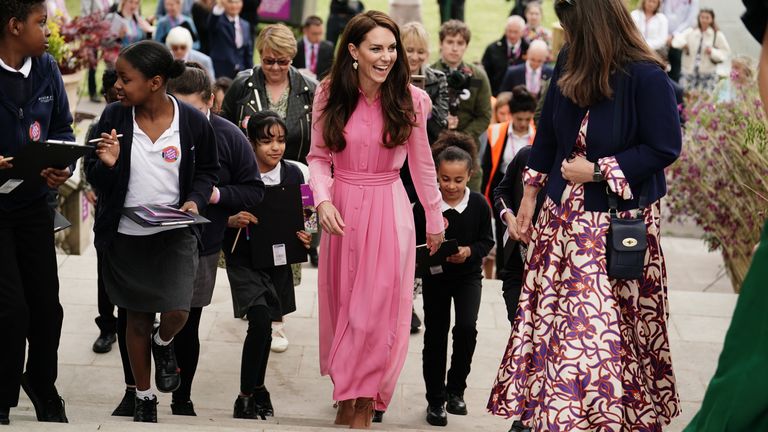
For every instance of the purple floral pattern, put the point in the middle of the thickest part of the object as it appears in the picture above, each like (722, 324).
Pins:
(615, 177)
(587, 352)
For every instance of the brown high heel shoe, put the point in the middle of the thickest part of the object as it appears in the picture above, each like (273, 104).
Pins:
(345, 412)
(363, 414)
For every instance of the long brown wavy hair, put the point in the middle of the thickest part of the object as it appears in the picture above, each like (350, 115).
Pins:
(602, 39)
(342, 87)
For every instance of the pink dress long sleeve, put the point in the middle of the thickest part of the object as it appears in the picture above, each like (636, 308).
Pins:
(365, 280)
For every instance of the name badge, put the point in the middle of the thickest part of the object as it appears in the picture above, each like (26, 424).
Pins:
(10, 185)
(434, 270)
(279, 255)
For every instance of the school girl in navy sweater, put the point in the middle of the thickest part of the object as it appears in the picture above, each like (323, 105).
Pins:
(262, 292)
(239, 187)
(33, 109)
(167, 155)
(458, 280)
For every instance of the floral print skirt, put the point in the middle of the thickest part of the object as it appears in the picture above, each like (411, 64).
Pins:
(587, 352)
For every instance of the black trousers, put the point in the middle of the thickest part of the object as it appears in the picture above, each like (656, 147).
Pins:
(106, 320)
(122, 325)
(29, 301)
(253, 367)
(465, 292)
(511, 274)
(186, 343)
(675, 57)
(451, 9)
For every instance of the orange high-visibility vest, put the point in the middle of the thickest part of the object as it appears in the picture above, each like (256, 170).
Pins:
(497, 135)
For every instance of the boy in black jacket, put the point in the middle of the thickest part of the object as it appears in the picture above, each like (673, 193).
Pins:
(33, 109)
(459, 279)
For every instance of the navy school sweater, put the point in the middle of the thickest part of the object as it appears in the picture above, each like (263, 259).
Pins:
(45, 115)
(472, 228)
(197, 173)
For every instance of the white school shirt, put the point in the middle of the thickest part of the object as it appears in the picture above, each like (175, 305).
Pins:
(272, 177)
(154, 176)
(460, 207)
(514, 144)
(25, 69)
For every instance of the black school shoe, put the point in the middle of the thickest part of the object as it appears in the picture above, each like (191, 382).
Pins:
(167, 377)
(518, 426)
(436, 415)
(263, 403)
(378, 416)
(185, 408)
(49, 409)
(415, 322)
(455, 404)
(127, 405)
(5, 416)
(103, 343)
(146, 410)
(245, 408)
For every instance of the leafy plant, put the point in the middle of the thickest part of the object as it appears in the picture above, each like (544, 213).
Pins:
(82, 42)
(721, 178)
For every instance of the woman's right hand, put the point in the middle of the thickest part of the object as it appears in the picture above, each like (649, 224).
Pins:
(524, 216)
(242, 220)
(512, 229)
(108, 149)
(330, 218)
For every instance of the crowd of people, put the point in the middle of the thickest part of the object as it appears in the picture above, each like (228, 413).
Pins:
(527, 162)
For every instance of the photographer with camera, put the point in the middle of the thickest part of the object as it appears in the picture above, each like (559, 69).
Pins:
(469, 91)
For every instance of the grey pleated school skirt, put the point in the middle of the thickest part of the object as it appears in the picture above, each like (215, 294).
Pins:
(154, 273)
(270, 287)
(205, 280)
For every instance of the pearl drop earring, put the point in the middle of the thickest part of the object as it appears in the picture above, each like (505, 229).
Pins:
(354, 65)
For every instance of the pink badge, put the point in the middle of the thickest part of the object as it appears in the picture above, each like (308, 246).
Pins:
(170, 154)
(35, 131)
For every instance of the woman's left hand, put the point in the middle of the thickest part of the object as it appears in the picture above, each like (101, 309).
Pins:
(434, 241)
(577, 170)
(459, 257)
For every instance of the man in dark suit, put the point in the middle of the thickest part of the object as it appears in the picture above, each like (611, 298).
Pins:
(507, 51)
(313, 53)
(229, 39)
(532, 73)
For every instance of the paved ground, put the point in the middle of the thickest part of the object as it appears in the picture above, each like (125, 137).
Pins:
(700, 299)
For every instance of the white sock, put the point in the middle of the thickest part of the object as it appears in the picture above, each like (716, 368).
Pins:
(158, 340)
(277, 325)
(145, 394)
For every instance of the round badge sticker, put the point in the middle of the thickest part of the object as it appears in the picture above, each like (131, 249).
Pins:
(170, 154)
(34, 131)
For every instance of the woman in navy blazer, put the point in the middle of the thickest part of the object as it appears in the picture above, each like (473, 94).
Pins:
(588, 351)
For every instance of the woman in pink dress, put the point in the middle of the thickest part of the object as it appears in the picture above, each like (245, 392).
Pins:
(366, 120)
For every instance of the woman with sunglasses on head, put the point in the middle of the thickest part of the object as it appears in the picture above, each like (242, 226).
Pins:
(589, 348)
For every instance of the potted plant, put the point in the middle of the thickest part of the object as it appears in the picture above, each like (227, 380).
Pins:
(80, 44)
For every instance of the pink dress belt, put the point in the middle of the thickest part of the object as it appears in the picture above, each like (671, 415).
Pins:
(357, 178)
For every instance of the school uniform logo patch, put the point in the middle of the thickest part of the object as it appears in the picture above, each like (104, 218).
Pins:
(34, 131)
(170, 154)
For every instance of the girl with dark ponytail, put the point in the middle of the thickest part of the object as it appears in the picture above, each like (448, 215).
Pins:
(165, 154)
(457, 280)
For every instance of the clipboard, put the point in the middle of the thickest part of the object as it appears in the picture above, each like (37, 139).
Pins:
(273, 240)
(427, 265)
(60, 223)
(143, 218)
(34, 157)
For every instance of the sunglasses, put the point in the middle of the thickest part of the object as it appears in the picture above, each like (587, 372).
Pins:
(272, 62)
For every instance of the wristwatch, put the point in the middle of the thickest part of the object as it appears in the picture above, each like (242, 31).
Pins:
(597, 175)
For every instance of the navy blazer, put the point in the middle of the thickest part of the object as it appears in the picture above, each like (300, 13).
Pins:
(227, 59)
(197, 172)
(515, 76)
(651, 137)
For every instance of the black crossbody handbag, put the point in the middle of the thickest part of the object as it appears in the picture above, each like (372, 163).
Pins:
(627, 241)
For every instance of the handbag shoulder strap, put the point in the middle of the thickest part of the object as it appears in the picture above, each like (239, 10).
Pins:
(618, 96)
